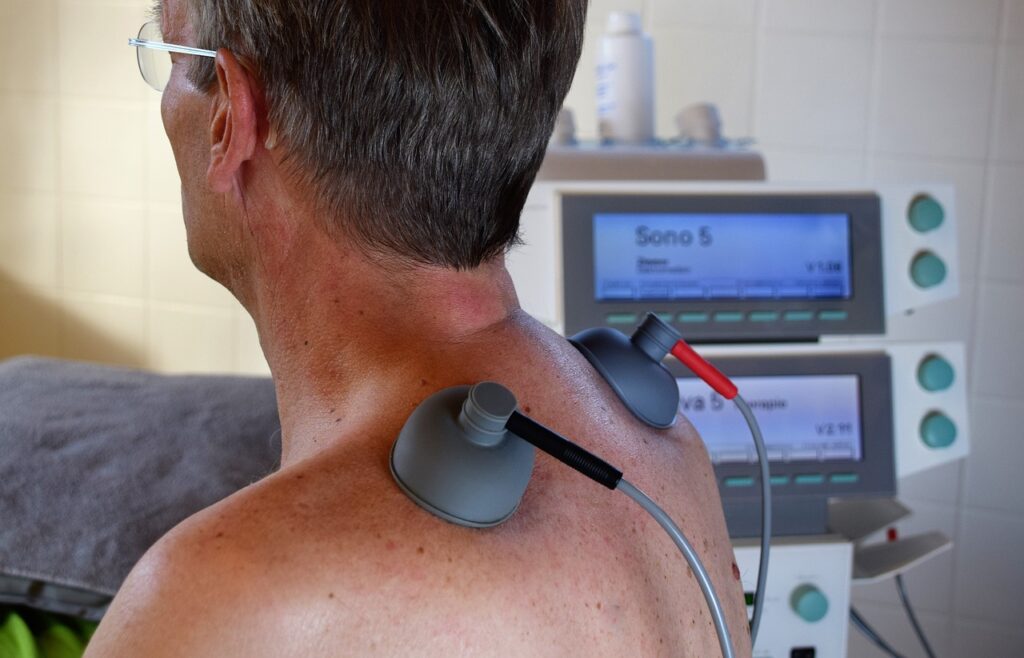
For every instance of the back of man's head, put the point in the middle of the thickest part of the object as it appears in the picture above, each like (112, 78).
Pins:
(419, 124)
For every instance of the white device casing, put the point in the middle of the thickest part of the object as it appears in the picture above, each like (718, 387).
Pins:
(824, 563)
(911, 402)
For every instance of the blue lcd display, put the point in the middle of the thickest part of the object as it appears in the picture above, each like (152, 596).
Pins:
(690, 256)
(804, 418)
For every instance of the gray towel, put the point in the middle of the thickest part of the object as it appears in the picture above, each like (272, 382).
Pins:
(97, 463)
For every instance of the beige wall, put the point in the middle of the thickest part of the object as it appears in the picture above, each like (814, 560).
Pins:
(93, 263)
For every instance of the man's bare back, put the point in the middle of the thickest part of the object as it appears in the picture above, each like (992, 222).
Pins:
(364, 230)
(329, 557)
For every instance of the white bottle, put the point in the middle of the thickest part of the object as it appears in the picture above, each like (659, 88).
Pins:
(625, 82)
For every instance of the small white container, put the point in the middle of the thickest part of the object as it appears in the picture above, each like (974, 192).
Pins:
(625, 82)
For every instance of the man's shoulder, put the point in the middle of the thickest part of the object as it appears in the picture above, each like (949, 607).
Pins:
(229, 579)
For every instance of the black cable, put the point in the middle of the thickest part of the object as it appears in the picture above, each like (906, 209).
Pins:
(564, 450)
(913, 618)
(870, 633)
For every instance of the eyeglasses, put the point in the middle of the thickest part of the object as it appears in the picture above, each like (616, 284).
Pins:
(155, 55)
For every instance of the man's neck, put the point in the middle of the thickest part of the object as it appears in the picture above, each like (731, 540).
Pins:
(347, 337)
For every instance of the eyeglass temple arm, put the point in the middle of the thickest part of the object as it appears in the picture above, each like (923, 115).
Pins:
(171, 48)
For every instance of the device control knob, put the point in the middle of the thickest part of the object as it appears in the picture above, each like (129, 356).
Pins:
(934, 373)
(925, 213)
(938, 430)
(809, 603)
(927, 270)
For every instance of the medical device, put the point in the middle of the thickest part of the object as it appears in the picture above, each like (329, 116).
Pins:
(734, 262)
(806, 295)
(808, 598)
(457, 455)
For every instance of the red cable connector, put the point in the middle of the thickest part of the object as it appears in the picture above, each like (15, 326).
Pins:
(710, 374)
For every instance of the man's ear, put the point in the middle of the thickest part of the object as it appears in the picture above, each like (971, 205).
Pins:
(233, 124)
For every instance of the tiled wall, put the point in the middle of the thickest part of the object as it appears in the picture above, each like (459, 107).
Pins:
(93, 262)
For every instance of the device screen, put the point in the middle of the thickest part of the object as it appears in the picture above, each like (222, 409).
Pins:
(689, 256)
(803, 418)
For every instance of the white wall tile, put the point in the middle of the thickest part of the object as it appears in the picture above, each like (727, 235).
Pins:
(172, 276)
(714, 66)
(1004, 235)
(103, 330)
(963, 19)
(939, 485)
(1015, 21)
(1008, 136)
(28, 135)
(94, 55)
(993, 471)
(162, 182)
(101, 149)
(821, 16)
(795, 165)
(989, 578)
(980, 639)
(28, 239)
(968, 180)
(104, 247)
(708, 13)
(890, 621)
(29, 61)
(250, 355)
(183, 339)
(930, 584)
(814, 91)
(998, 360)
(934, 98)
(29, 321)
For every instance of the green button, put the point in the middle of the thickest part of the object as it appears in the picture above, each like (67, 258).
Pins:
(810, 478)
(834, 316)
(937, 430)
(764, 316)
(728, 316)
(844, 478)
(694, 317)
(779, 480)
(926, 214)
(927, 270)
(809, 603)
(665, 317)
(798, 316)
(622, 318)
(739, 481)
(935, 373)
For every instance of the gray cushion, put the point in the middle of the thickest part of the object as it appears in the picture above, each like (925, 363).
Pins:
(96, 463)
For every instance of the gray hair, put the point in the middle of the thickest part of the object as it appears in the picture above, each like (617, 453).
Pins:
(420, 124)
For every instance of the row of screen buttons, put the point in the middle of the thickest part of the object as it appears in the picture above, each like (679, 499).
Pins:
(801, 479)
(731, 317)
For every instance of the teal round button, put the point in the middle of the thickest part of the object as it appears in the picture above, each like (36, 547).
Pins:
(926, 214)
(938, 430)
(927, 270)
(935, 373)
(809, 603)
